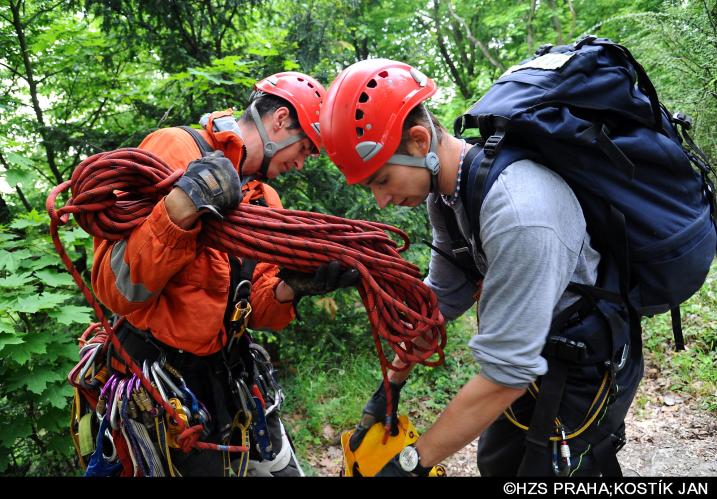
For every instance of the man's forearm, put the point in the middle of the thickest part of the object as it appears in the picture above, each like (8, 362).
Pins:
(475, 407)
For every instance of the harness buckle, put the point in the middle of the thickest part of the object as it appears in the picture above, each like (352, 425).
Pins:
(564, 349)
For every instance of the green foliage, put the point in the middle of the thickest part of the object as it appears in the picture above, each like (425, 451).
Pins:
(40, 315)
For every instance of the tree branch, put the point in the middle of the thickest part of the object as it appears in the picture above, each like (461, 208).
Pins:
(711, 18)
(460, 41)
(23, 199)
(43, 11)
(556, 22)
(457, 79)
(573, 19)
(486, 53)
(12, 70)
(531, 16)
(32, 84)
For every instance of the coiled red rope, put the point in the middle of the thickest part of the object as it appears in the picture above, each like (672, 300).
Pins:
(114, 192)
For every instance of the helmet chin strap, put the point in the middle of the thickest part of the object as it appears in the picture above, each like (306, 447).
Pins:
(429, 161)
(270, 148)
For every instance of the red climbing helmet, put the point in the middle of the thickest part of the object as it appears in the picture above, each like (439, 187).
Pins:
(304, 93)
(363, 113)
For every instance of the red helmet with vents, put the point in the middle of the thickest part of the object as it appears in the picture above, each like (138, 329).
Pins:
(363, 113)
(304, 93)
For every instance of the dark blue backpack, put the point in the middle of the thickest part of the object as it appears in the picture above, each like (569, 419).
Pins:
(589, 112)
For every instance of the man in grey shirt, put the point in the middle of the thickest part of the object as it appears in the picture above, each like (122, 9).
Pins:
(532, 249)
(533, 244)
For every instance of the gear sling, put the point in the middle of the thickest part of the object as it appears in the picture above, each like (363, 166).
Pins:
(589, 112)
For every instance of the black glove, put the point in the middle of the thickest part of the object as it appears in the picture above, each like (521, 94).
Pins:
(213, 183)
(327, 278)
(375, 411)
(393, 468)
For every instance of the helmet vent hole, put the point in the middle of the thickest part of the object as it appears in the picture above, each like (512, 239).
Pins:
(300, 79)
(383, 74)
(310, 84)
(317, 94)
(359, 114)
(363, 97)
(371, 84)
(359, 131)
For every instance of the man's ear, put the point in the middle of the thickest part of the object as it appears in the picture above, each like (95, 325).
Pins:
(280, 118)
(420, 142)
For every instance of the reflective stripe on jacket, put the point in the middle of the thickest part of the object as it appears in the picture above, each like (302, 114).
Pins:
(162, 280)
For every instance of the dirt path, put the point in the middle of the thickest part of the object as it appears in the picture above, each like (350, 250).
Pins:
(669, 435)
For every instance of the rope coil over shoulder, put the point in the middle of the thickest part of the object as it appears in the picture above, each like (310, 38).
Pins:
(114, 192)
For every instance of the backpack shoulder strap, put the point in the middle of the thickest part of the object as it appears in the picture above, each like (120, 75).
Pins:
(461, 252)
(203, 145)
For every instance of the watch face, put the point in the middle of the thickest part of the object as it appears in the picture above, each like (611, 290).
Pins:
(408, 458)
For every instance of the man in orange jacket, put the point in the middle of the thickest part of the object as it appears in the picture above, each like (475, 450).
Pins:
(177, 295)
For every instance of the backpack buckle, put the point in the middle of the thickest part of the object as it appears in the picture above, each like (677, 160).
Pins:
(543, 49)
(586, 40)
(493, 144)
(683, 120)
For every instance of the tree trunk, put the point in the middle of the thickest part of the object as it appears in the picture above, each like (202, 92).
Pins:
(29, 77)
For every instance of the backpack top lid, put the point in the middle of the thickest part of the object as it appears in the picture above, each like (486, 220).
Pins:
(592, 74)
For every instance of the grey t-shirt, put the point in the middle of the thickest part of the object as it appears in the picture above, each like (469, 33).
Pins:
(534, 243)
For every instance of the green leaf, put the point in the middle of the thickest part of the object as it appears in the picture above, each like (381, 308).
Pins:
(14, 429)
(72, 314)
(32, 219)
(54, 278)
(33, 343)
(15, 280)
(4, 458)
(37, 379)
(58, 396)
(22, 260)
(67, 351)
(33, 304)
(9, 339)
(42, 262)
(6, 327)
(8, 261)
(19, 177)
(6, 237)
(18, 159)
(217, 80)
(70, 237)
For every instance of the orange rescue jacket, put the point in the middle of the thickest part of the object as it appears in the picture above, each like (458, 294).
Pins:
(163, 281)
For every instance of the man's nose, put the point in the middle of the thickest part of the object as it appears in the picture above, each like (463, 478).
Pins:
(381, 198)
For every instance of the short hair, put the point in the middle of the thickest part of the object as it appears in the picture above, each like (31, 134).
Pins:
(268, 103)
(419, 116)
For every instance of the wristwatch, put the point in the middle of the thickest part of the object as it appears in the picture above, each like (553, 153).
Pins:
(410, 461)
